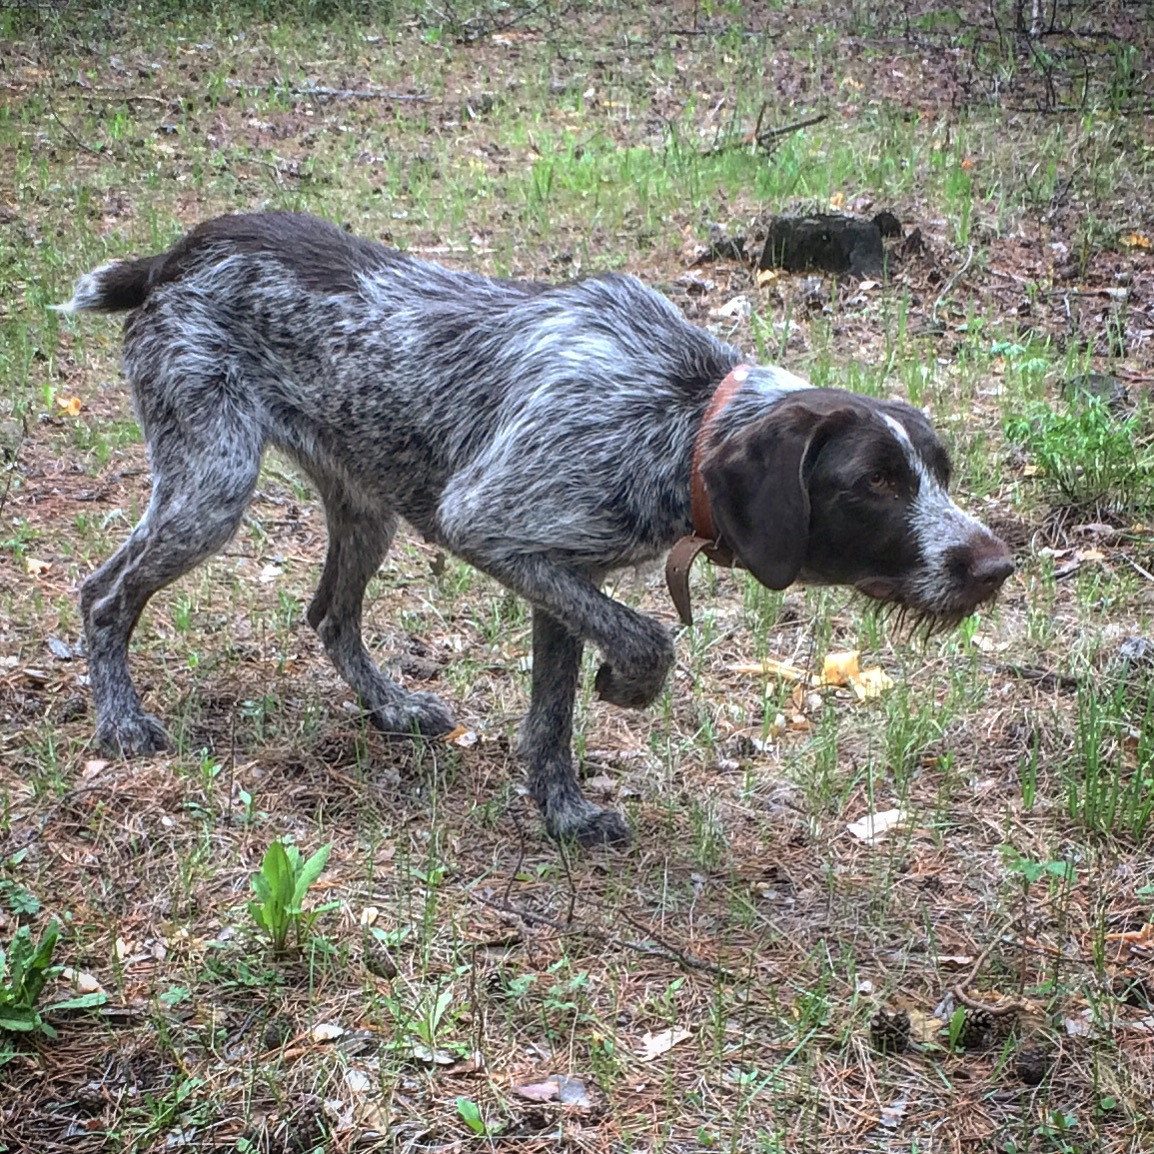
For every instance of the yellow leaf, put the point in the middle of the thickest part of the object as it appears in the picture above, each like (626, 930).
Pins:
(840, 668)
(766, 276)
(872, 682)
(837, 200)
(71, 405)
(1134, 240)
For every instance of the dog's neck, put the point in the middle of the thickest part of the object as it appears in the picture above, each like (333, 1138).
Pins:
(701, 511)
(704, 538)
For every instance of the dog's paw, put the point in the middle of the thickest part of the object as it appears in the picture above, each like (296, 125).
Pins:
(133, 735)
(631, 689)
(633, 676)
(415, 715)
(588, 825)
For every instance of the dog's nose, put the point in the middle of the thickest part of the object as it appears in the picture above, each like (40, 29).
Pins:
(991, 568)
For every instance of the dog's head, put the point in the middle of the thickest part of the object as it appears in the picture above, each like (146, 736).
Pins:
(833, 488)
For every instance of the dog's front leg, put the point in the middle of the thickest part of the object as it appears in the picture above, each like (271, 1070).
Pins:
(569, 609)
(547, 736)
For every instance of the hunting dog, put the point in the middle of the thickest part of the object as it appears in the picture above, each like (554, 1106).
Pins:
(545, 434)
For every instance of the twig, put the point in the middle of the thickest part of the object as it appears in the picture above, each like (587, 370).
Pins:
(766, 139)
(769, 134)
(661, 950)
(996, 1009)
(1139, 569)
(950, 285)
(321, 91)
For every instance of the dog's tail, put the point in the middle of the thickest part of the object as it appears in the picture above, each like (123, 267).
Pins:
(115, 287)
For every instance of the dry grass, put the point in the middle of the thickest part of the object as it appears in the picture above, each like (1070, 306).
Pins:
(746, 915)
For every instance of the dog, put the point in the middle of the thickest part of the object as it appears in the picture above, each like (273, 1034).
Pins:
(547, 435)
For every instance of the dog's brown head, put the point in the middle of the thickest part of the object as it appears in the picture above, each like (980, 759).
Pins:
(833, 488)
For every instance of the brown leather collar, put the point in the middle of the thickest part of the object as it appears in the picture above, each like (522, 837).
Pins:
(705, 538)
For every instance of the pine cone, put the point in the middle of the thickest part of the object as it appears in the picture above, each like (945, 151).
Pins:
(890, 1032)
(977, 1026)
(1032, 1062)
(376, 957)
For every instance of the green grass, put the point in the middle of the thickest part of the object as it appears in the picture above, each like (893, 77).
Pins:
(465, 956)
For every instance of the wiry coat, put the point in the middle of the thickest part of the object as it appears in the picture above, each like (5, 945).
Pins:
(544, 434)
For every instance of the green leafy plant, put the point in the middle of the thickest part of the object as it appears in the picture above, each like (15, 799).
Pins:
(25, 968)
(281, 886)
(1088, 455)
(471, 1115)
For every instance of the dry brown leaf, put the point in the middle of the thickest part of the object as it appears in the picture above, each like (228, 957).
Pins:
(539, 1091)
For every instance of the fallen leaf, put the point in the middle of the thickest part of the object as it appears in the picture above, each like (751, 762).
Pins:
(563, 1088)
(1134, 240)
(539, 1091)
(270, 573)
(892, 1114)
(326, 1032)
(71, 405)
(431, 1057)
(924, 1027)
(840, 668)
(358, 1081)
(955, 961)
(967, 163)
(460, 736)
(81, 982)
(837, 200)
(37, 567)
(369, 915)
(874, 826)
(664, 1040)
(766, 276)
(872, 682)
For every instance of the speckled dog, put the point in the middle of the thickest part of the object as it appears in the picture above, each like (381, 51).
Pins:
(546, 435)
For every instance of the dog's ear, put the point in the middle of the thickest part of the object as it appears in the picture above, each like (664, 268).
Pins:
(757, 486)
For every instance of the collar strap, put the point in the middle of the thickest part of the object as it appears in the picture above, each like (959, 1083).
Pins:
(705, 538)
(700, 509)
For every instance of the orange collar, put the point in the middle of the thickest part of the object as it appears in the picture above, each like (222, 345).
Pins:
(700, 509)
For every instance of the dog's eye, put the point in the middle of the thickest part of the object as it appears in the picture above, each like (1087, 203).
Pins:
(881, 482)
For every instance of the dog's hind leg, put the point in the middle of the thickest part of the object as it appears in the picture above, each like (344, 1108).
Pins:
(547, 735)
(201, 486)
(358, 542)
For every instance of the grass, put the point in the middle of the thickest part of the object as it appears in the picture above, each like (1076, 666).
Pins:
(457, 956)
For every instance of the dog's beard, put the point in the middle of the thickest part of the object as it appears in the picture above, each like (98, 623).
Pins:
(914, 615)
